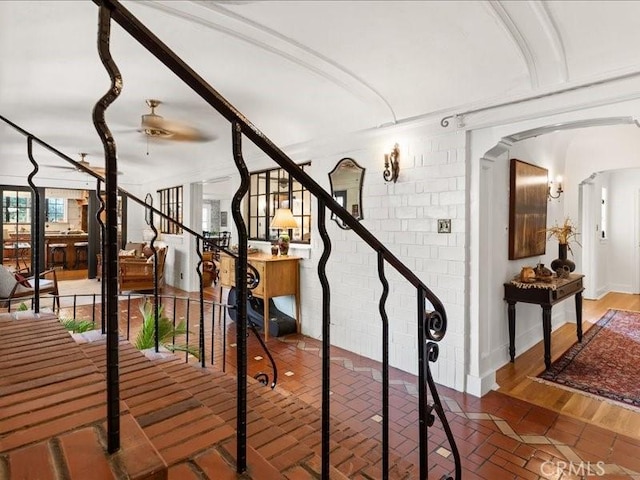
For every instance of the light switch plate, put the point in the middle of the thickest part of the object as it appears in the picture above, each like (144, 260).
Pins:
(444, 225)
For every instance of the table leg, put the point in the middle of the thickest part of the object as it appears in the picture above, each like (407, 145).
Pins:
(267, 320)
(546, 327)
(511, 310)
(579, 315)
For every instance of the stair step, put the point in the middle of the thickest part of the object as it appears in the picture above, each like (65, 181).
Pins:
(284, 430)
(53, 407)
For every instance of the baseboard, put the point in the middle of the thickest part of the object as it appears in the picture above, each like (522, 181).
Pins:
(480, 386)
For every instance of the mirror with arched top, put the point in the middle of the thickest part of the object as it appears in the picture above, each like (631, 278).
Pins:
(346, 187)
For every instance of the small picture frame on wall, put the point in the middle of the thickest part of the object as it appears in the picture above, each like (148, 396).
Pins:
(527, 210)
(223, 219)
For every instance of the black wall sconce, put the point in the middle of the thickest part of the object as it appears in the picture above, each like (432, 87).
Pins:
(392, 164)
(558, 191)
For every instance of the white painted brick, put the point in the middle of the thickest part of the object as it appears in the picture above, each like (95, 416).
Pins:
(404, 238)
(452, 198)
(441, 185)
(381, 213)
(375, 189)
(404, 212)
(437, 158)
(404, 188)
(436, 266)
(391, 201)
(455, 268)
(448, 281)
(451, 253)
(448, 142)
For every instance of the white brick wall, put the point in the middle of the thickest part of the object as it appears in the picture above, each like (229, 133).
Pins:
(404, 217)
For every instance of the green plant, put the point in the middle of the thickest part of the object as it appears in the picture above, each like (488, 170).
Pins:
(77, 326)
(22, 307)
(166, 331)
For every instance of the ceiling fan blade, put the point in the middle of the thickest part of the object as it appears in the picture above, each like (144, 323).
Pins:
(60, 167)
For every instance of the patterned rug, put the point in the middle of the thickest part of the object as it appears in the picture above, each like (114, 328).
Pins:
(607, 361)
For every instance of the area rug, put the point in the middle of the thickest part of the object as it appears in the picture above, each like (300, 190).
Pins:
(606, 363)
(83, 289)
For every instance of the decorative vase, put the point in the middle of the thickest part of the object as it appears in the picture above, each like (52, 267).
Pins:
(274, 250)
(283, 243)
(562, 260)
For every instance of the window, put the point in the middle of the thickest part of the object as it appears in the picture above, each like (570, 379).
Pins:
(16, 207)
(55, 210)
(171, 205)
(271, 189)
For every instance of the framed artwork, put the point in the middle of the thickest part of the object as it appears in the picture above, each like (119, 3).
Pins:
(223, 219)
(527, 210)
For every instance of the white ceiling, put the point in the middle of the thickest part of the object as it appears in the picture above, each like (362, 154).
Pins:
(299, 70)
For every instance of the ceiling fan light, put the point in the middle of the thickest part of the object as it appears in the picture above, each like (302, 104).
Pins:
(152, 124)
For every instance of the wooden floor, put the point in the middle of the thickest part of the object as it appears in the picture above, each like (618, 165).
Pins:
(515, 378)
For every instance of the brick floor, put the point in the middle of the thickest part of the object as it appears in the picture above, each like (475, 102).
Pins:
(498, 436)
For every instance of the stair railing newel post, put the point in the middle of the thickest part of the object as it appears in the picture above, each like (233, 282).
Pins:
(385, 366)
(326, 339)
(103, 276)
(241, 298)
(201, 292)
(111, 242)
(35, 238)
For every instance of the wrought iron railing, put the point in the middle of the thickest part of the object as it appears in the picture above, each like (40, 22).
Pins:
(431, 325)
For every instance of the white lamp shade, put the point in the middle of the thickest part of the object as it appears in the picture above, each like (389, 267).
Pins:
(283, 219)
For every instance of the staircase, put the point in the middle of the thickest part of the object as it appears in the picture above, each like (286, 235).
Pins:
(177, 419)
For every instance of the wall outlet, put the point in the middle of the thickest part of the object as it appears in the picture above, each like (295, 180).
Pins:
(444, 225)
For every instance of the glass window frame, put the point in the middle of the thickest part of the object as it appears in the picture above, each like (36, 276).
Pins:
(274, 188)
(171, 204)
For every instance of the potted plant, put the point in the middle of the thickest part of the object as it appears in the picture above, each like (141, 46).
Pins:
(565, 234)
(167, 331)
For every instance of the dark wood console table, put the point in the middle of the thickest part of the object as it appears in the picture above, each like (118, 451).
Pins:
(546, 295)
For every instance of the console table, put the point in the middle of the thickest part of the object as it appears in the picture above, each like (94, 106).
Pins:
(546, 295)
(278, 276)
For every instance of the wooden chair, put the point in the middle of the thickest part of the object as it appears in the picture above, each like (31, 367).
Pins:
(14, 288)
(135, 273)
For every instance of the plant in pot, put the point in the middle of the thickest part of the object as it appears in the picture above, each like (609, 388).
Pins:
(167, 332)
(565, 234)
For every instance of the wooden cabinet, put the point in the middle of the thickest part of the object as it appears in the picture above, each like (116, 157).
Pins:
(278, 276)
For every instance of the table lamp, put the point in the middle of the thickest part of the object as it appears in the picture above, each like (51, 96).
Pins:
(284, 220)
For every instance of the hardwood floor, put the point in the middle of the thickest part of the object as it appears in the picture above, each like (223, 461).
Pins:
(515, 378)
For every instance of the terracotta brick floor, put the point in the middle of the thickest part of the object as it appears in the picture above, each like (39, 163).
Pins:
(499, 437)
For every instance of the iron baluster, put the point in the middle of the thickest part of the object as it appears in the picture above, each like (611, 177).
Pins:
(422, 391)
(111, 278)
(148, 217)
(35, 239)
(431, 355)
(326, 340)
(103, 287)
(241, 298)
(385, 367)
(201, 291)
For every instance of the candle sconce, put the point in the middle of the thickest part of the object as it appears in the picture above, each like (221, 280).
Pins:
(392, 164)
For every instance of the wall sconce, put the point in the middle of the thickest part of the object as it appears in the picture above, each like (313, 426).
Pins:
(392, 164)
(558, 190)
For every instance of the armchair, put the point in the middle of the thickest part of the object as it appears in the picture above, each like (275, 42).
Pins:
(135, 273)
(13, 289)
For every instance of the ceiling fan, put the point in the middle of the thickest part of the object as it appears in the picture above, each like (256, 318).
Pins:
(98, 170)
(155, 126)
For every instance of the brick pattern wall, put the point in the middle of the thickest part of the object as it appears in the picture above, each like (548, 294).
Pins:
(404, 217)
